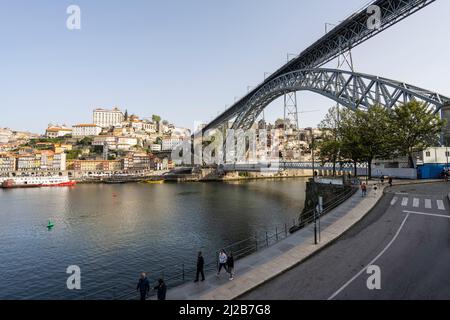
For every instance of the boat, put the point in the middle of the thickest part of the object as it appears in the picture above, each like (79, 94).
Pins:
(154, 181)
(36, 182)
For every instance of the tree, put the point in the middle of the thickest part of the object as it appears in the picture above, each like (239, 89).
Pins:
(351, 140)
(156, 118)
(416, 128)
(374, 127)
(126, 115)
(330, 145)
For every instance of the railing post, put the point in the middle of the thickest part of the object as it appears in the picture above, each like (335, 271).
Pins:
(276, 233)
(267, 239)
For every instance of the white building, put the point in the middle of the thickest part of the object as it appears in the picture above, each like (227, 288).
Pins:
(439, 155)
(116, 143)
(57, 131)
(169, 144)
(155, 147)
(108, 118)
(85, 130)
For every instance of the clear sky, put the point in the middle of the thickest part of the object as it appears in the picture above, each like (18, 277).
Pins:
(186, 59)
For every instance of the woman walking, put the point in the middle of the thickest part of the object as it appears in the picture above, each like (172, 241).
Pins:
(222, 261)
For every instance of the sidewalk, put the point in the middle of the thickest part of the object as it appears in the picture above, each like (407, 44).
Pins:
(264, 265)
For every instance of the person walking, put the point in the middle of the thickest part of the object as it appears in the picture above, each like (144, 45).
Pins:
(364, 189)
(222, 261)
(143, 286)
(162, 289)
(200, 267)
(230, 265)
(390, 181)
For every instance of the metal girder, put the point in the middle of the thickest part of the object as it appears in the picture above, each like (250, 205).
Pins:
(350, 89)
(347, 35)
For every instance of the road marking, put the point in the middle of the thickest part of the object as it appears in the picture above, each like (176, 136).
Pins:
(405, 202)
(427, 204)
(401, 194)
(371, 262)
(440, 205)
(428, 214)
(394, 201)
(416, 202)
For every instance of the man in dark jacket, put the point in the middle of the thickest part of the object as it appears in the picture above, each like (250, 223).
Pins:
(230, 265)
(200, 267)
(143, 286)
(162, 289)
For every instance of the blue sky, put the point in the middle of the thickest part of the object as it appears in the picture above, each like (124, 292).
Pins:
(186, 59)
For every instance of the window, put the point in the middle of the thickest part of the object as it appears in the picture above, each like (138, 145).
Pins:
(428, 154)
(447, 154)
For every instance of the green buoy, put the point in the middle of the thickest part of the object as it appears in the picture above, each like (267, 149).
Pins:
(50, 225)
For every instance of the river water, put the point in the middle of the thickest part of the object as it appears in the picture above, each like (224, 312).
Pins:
(113, 232)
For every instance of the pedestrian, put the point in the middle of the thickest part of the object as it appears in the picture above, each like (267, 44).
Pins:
(162, 289)
(222, 261)
(230, 265)
(390, 181)
(200, 267)
(143, 286)
(382, 179)
(364, 189)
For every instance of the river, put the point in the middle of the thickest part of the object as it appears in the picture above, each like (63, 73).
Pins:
(113, 232)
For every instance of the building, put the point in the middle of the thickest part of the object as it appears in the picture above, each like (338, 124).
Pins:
(7, 162)
(155, 147)
(432, 162)
(137, 162)
(108, 118)
(169, 144)
(5, 135)
(86, 130)
(60, 148)
(97, 165)
(28, 162)
(57, 131)
(116, 143)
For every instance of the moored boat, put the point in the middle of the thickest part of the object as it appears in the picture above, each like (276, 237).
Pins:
(36, 182)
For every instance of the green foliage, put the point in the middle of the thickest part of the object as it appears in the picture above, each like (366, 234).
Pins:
(362, 136)
(156, 118)
(73, 154)
(416, 128)
(85, 142)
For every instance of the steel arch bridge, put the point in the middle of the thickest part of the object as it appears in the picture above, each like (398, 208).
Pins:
(350, 89)
(348, 34)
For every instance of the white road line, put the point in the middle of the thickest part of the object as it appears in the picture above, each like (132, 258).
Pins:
(405, 202)
(428, 214)
(416, 202)
(427, 204)
(394, 201)
(371, 262)
(440, 205)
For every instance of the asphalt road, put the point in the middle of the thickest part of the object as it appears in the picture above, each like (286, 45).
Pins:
(407, 235)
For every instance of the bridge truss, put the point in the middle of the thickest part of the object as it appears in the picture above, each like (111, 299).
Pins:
(347, 35)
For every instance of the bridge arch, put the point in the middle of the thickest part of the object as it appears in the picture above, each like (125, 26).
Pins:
(350, 89)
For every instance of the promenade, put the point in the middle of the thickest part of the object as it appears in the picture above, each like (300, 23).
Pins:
(258, 268)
